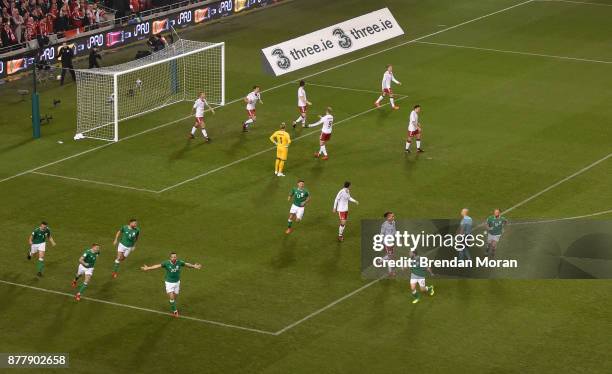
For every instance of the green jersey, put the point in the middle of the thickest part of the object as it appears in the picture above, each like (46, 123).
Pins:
(90, 257)
(417, 269)
(173, 270)
(496, 224)
(40, 235)
(129, 235)
(299, 196)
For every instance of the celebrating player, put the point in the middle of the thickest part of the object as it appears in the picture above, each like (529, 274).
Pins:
(38, 242)
(386, 88)
(87, 261)
(198, 108)
(251, 100)
(327, 121)
(129, 235)
(414, 129)
(341, 205)
(495, 226)
(303, 104)
(417, 276)
(173, 277)
(388, 229)
(301, 197)
(281, 140)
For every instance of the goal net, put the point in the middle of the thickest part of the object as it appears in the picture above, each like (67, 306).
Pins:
(106, 96)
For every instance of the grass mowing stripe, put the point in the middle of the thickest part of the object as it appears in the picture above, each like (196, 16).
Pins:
(275, 87)
(216, 323)
(518, 52)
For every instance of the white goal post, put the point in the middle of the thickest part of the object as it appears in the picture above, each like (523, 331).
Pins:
(106, 96)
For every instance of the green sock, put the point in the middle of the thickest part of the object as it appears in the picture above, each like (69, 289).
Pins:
(116, 267)
(40, 265)
(415, 294)
(289, 223)
(83, 287)
(173, 305)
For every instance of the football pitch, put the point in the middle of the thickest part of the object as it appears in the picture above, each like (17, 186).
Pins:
(516, 112)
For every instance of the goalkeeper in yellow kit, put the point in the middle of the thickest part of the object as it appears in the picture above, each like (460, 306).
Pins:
(281, 139)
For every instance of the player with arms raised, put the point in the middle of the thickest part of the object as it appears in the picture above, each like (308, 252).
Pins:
(173, 277)
(198, 107)
(414, 129)
(341, 205)
(303, 104)
(327, 121)
(251, 101)
(301, 197)
(386, 88)
(129, 235)
(38, 244)
(87, 261)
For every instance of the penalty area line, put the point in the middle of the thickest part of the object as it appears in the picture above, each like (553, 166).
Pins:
(93, 182)
(206, 321)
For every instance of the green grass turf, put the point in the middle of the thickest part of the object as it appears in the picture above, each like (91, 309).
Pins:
(498, 129)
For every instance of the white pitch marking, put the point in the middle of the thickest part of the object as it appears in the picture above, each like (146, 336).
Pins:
(92, 181)
(518, 52)
(344, 88)
(573, 2)
(565, 219)
(140, 308)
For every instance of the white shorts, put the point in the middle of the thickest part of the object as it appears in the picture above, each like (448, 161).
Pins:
(297, 210)
(38, 247)
(414, 279)
(173, 287)
(493, 238)
(125, 250)
(83, 270)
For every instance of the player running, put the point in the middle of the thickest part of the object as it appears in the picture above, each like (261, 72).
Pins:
(341, 205)
(327, 121)
(129, 235)
(173, 277)
(301, 197)
(386, 88)
(198, 107)
(303, 104)
(388, 229)
(495, 228)
(281, 140)
(414, 129)
(251, 100)
(87, 261)
(417, 276)
(38, 243)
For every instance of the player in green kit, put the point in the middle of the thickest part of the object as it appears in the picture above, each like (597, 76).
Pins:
(173, 277)
(38, 243)
(417, 276)
(87, 261)
(127, 237)
(301, 197)
(495, 228)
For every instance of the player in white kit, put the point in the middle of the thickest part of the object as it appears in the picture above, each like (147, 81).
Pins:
(327, 121)
(386, 88)
(198, 107)
(251, 100)
(341, 205)
(303, 104)
(414, 129)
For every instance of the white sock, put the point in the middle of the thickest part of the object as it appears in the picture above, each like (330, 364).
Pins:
(341, 230)
(303, 120)
(379, 99)
(323, 150)
(392, 101)
(193, 130)
(408, 145)
(204, 133)
(418, 144)
(248, 121)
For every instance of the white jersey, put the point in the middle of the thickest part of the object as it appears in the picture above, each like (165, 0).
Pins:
(199, 107)
(252, 99)
(327, 121)
(302, 94)
(414, 121)
(341, 204)
(387, 79)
